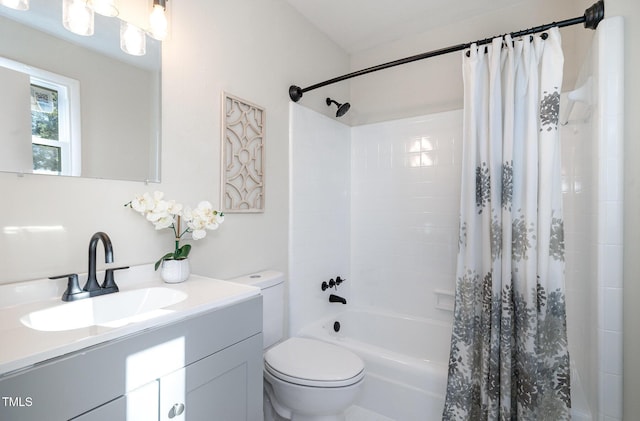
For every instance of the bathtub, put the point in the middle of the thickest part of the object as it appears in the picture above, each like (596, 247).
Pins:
(405, 359)
(406, 362)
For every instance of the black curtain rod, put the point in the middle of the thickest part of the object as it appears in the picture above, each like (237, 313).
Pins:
(592, 16)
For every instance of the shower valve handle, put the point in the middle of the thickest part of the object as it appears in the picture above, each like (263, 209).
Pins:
(330, 284)
(339, 280)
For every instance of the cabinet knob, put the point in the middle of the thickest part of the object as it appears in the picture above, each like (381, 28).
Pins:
(176, 410)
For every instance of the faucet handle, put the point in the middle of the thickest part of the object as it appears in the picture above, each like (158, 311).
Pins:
(331, 284)
(109, 281)
(73, 290)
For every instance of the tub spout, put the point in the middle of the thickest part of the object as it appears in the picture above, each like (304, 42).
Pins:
(336, 299)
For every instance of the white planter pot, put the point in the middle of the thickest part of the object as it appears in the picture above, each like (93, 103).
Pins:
(175, 271)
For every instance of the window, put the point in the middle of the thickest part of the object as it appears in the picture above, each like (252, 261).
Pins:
(55, 120)
(51, 152)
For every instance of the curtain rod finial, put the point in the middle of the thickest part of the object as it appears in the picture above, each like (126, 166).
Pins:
(594, 14)
(295, 93)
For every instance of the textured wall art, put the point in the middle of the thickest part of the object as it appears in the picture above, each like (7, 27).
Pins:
(243, 134)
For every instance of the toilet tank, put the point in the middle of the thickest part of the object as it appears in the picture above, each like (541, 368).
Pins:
(271, 284)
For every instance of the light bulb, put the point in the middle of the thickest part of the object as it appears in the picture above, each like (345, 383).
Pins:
(132, 39)
(105, 8)
(158, 25)
(78, 17)
(16, 4)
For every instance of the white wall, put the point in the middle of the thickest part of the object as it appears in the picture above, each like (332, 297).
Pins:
(250, 48)
(320, 213)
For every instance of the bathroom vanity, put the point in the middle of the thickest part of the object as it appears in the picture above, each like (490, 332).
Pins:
(199, 359)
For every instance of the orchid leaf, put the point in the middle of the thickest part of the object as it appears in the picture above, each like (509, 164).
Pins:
(167, 256)
(182, 252)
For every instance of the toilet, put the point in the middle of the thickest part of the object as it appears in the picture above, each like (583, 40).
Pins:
(304, 379)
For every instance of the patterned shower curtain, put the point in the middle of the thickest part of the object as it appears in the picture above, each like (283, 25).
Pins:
(509, 357)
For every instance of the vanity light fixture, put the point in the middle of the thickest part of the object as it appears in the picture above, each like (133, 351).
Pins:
(105, 7)
(78, 17)
(132, 39)
(158, 22)
(16, 4)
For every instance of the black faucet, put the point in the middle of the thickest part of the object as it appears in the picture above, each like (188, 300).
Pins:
(336, 299)
(92, 285)
(92, 288)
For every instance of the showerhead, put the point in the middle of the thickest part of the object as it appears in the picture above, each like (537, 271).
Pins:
(342, 108)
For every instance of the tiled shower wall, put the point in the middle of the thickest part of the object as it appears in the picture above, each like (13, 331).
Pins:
(405, 194)
(578, 198)
(319, 240)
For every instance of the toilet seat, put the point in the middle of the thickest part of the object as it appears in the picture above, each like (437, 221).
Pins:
(313, 363)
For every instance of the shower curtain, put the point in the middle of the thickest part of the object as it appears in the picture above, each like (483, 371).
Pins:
(509, 358)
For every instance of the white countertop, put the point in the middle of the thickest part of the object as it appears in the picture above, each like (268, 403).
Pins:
(23, 346)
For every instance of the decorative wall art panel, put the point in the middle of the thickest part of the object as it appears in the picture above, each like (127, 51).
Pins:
(243, 135)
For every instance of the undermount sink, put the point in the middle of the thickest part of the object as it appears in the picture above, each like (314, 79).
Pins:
(113, 310)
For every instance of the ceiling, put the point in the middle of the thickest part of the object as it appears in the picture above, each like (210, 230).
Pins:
(357, 25)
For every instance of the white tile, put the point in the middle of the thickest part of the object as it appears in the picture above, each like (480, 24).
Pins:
(402, 210)
(611, 264)
(603, 272)
(612, 308)
(613, 218)
(611, 360)
(611, 396)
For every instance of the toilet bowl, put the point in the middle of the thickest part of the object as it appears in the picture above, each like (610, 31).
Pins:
(304, 379)
(311, 380)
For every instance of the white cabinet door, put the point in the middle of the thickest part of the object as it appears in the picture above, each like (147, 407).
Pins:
(142, 403)
(224, 386)
(172, 396)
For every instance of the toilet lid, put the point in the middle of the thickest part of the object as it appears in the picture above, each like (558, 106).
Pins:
(314, 363)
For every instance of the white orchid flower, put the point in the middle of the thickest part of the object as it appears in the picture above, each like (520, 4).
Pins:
(187, 214)
(198, 234)
(168, 214)
(143, 203)
(174, 208)
(163, 222)
(212, 226)
(157, 196)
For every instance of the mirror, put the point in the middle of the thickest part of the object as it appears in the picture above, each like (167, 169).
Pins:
(76, 105)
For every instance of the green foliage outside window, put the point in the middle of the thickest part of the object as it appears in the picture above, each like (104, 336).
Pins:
(44, 124)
